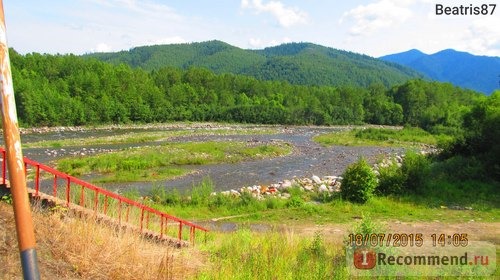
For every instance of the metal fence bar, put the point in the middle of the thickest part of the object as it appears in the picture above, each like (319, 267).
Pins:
(37, 179)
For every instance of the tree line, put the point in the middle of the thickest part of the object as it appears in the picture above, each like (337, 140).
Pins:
(54, 90)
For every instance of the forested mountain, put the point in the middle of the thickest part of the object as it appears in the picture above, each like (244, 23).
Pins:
(70, 90)
(480, 73)
(297, 63)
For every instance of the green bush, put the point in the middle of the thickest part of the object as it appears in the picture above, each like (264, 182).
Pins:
(294, 202)
(359, 182)
(200, 194)
(219, 200)
(391, 180)
(415, 170)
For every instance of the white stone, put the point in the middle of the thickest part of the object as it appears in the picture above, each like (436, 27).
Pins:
(322, 188)
(235, 193)
(286, 184)
(316, 179)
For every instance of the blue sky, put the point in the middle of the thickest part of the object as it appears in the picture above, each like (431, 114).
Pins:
(372, 27)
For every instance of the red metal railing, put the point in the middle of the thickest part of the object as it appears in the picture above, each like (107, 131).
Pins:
(99, 200)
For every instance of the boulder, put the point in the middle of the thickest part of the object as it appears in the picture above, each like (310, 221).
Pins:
(316, 179)
(235, 193)
(309, 188)
(285, 195)
(263, 189)
(322, 188)
(286, 184)
(272, 190)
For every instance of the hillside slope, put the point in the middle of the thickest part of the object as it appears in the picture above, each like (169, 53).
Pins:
(297, 63)
(480, 73)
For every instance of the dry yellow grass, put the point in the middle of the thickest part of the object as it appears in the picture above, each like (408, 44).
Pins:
(72, 248)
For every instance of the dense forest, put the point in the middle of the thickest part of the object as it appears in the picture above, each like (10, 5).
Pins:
(296, 63)
(71, 90)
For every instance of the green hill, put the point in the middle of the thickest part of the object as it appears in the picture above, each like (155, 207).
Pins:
(297, 63)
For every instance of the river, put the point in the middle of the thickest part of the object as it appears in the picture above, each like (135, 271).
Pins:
(308, 158)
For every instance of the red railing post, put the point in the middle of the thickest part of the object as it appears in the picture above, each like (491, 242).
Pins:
(105, 210)
(161, 227)
(142, 217)
(180, 230)
(191, 234)
(82, 197)
(166, 225)
(37, 179)
(4, 168)
(119, 211)
(68, 186)
(96, 200)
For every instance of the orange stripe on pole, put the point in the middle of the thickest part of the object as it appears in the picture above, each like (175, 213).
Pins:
(15, 164)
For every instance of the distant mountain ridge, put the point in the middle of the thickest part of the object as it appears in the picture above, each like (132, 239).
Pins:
(480, 73)
(297, 63)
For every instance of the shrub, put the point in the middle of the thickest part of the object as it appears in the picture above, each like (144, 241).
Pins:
(367, 226)
(200, 194)
(295, 201)
(219, 200)
(274, 203)
(359, 182)
(415, 170)
(391, 180)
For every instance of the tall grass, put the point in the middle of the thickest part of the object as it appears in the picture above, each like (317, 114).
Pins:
(406, 137)
(273, 255)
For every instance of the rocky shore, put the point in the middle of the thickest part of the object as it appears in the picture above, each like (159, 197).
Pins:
(315, 184)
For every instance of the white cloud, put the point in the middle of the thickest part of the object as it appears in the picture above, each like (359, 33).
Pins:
(258, 43)
(286, 16)
(143, 7)
(483, 36)
(255, 43)
(280, 41)
(102, 47)
(372, 17)
(168, 40)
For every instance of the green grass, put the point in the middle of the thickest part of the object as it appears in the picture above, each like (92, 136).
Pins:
(284, 255)
(306, 208)
(167, 160)
(248, 255)
(406, 137)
